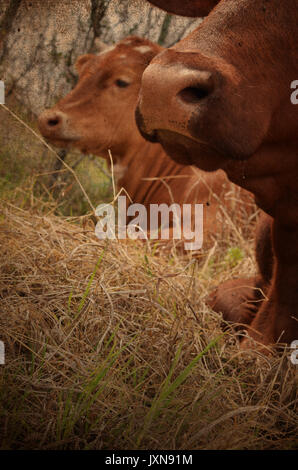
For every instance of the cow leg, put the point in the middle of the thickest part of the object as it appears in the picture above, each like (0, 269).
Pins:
(240, 299)
(277, 319)
(263, 247)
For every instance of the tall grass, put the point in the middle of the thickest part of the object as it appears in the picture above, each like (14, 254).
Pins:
(110, 345)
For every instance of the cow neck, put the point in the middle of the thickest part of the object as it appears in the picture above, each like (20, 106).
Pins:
(271, 175)
(148, 160)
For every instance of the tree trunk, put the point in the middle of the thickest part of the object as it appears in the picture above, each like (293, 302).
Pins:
(42, 39)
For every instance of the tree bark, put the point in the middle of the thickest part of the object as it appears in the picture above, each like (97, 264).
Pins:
(42, 39)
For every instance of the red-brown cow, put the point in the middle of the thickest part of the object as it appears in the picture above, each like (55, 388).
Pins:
(98, 114)
(220, 98)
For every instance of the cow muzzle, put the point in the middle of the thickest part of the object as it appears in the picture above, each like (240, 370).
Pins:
(169, 97)
(202, 104)
(54, 125)
(173, 109)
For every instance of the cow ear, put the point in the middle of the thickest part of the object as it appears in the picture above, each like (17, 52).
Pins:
(194, 8)
(82, 60)
(99, 46)
(155, 49)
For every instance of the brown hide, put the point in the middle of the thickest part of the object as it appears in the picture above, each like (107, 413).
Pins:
(228, 85)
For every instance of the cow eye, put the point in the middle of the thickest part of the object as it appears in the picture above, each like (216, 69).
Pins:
(121, 83)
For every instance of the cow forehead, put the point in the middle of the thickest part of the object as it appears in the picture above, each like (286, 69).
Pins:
(126, 67)
(124, 54)
(133, 47)
(131, 56)
(143, 49)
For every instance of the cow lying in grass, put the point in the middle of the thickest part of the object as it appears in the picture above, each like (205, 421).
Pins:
(98, 114)
(221, 98)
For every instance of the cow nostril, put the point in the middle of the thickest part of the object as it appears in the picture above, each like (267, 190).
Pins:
(53, 122)
(194, 94)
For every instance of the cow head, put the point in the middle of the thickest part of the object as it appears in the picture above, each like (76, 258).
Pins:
(98, 114)
(223, 92)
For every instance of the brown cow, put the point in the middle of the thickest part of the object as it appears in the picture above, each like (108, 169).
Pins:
(220, 98)
(98, 114)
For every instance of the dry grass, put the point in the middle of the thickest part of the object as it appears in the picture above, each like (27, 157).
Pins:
(110, 345)
(26, 170)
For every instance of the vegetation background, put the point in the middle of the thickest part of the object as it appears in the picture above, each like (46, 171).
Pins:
(110, 345)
